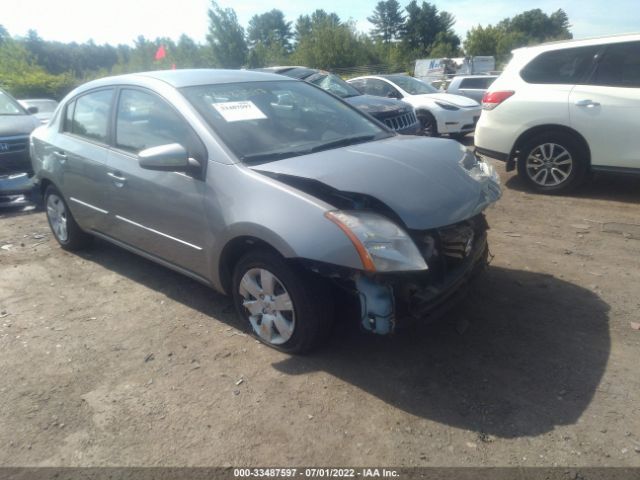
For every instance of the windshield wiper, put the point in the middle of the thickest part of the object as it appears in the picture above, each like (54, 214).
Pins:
(343, 142)
(270, 156)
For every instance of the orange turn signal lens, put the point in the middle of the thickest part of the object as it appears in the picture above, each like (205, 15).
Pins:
(365, 258)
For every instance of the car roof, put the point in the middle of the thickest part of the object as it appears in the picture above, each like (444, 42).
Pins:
(291, 71)
(188, 77)
(583, 42)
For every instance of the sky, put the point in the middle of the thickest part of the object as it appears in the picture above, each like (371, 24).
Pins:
(121, 21)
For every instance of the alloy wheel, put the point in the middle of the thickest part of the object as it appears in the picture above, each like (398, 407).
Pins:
(549, 164)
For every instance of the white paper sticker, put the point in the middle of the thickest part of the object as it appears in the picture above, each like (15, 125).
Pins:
(238, 111)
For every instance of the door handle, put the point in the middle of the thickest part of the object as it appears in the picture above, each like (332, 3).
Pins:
(118, 179)
(587, 103)
(61, 156)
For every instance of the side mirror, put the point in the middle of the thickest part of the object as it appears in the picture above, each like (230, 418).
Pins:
(32, 110)
(172, 157)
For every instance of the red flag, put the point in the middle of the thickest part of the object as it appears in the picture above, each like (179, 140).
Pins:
(160, 53)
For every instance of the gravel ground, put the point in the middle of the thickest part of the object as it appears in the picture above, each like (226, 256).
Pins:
(108, 359)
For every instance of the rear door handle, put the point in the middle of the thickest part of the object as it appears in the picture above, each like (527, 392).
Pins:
(587, 103)
(61, 156)
(118, 179)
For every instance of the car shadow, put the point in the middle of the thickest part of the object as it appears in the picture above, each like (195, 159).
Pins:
(531, 358)
(600, 186)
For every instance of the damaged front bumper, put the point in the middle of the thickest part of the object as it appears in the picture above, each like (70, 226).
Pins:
(454, 255)
(15, 190)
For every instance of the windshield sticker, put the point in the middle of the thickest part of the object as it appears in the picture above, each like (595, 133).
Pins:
(239, 111)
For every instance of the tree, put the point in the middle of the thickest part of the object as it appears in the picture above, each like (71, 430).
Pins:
(527, 28)
(226, 37)
(425, 26)
(482, 41)
(269, 28)
(387, 20)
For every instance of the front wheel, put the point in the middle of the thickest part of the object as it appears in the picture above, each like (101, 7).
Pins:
(428, 124)
(552, 163)
(285, 307)
(64, 227)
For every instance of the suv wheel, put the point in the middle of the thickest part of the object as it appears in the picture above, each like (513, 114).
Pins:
(552, 163)
(64, 227)
(286, 308)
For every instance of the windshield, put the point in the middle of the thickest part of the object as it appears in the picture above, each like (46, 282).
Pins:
(264, 121)
(411, 85)
(8, 106)
(333, 84)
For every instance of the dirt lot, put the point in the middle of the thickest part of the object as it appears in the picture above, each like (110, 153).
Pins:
(108, 359)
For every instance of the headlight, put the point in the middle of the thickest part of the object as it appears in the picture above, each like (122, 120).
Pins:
(381, 244)
(478, 168)
(447, 106)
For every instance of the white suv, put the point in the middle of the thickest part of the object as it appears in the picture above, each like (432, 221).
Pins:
(560, 110)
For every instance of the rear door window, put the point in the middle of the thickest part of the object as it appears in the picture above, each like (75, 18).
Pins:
(476, 83)
(568, 66)
(619, 66)
(90, 117)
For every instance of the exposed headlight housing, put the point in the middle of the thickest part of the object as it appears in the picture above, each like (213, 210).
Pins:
(478, 168)
(446, 106)
(381, 244)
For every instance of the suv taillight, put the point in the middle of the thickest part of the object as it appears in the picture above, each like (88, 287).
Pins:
(491, 100)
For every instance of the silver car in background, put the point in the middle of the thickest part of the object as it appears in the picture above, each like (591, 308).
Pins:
(267, 189)
(472, 86)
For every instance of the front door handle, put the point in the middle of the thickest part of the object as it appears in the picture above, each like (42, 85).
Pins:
(587, 103)
(117, 178)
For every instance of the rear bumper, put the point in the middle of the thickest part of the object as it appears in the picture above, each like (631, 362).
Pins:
(485, 152)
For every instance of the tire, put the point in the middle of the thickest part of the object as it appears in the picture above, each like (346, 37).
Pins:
(552, 163)
(64, 227)
(298, 325)
(428, 124)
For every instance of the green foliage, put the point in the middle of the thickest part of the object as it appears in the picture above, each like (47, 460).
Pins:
(269, 28)
(226, 38)
(429, 32)
(22, 78)
(527, 28)
(328, 43)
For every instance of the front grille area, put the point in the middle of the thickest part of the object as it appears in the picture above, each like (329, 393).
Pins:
(400, 122)
(14, 154)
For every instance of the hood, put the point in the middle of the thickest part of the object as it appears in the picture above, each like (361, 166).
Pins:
(14, 125)
(420, 179)
(379, 106)
(457, 100)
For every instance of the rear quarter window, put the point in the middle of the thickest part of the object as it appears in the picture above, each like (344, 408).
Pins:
(566, 67)
(619, 66)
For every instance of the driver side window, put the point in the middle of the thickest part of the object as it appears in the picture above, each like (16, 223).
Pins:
(145, 120)
(380, 88)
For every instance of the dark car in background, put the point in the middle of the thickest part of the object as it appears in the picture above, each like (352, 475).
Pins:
(16, 123)
(397, 115)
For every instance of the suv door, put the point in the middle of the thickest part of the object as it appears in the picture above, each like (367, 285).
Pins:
(161, 213)
(605, 111)
(81, 153)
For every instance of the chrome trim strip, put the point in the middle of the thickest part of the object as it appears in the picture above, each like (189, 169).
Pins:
(158, 233)
(88, 205)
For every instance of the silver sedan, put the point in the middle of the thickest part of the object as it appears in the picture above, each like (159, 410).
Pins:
(270, 190)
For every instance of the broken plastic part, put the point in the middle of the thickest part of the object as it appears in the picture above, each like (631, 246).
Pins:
(376, 306)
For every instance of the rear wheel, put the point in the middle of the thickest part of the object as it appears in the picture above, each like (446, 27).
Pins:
(428, 124)
(285, 307)
(64, 227)
(552, 163)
